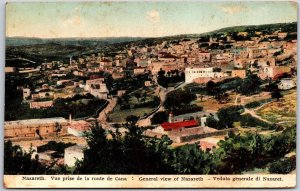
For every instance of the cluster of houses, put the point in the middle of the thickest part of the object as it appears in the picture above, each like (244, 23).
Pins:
(197, 60)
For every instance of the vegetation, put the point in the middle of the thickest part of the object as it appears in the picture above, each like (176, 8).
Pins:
(283, 111)
(139, 154)
(166, 79)
(227, 116)
(248, 121)
(17, 161)
(61, 108)
(250, 85)
(255, 104)
(130, 83)
(140, 103)
(159, 117)
(283, 166)
(211, 121)
(276, 94)
(241, 153)
(179, 102)
(132, 153)
(55, 146)
(119, 115)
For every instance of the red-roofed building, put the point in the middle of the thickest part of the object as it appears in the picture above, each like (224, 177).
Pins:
(178, 125)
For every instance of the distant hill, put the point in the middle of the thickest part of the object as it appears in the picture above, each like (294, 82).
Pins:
(284, 27)
(20, 41)
(38, 50)
(269, 28)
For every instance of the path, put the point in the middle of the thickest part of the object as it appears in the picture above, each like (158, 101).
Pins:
(253, 114)
(236, 99)
(103, 114)
(162, 92)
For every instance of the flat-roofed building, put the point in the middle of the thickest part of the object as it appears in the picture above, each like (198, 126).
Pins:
(194, 73)
(35, 127)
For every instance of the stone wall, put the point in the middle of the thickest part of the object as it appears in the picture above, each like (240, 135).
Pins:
(30, 129)
(203, 135)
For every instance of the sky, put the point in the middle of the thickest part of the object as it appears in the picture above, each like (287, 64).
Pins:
(138, 19)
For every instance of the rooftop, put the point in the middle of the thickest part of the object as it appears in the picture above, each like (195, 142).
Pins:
(178, 125)
(35, 121)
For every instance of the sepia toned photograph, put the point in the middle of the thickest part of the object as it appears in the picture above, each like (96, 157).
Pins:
(173, 94)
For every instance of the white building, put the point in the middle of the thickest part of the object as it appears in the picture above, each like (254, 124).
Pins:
(286, 84)
(99, 90)
(193, 73)
(72, 154)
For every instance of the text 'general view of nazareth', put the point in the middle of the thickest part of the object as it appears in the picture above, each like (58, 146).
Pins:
(150, 88)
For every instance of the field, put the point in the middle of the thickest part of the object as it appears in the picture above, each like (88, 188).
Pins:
(137, 105)
(212, 105)
(120, 115)
(283, 111)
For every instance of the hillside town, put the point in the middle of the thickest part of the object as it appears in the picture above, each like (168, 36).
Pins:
(193, 90)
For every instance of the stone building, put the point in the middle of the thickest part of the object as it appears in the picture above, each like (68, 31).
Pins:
(35, 127)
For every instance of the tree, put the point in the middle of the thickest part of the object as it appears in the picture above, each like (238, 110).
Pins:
(128, 154)
(210, 87)
(276, 94)
(222, 97)
(217, 69)
(250, 85)
(238, 153)
(17, 161)
(271, 86)
(159, 117)
(212, 122)
(213, 89)
(138, 96)
(190, 159)
(283, 166)
(177, 98)
(132, 119)
(227, 116)
(162, 79)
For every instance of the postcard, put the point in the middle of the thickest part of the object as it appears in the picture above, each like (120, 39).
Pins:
(194, 94)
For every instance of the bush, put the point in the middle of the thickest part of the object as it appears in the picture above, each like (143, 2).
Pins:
(283, 166)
